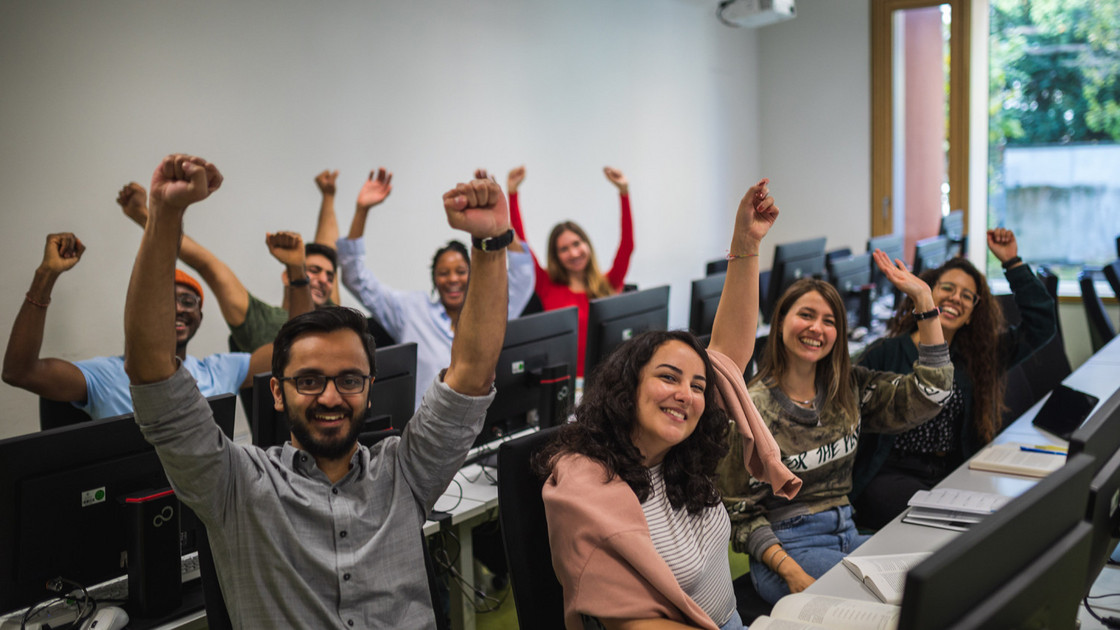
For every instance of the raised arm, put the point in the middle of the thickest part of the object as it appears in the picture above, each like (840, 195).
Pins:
(326, 229)
(287, 247)
(479, 208)
(51, 378)
(616, 275)
(737, 313)
(232, 296)
(374, 191)
(1036, 306)
(929, 328)
(149, 313)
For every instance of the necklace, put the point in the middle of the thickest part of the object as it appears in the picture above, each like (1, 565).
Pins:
(803, 403)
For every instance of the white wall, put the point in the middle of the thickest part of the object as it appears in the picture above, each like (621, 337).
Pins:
(815, 101)
(94, 94)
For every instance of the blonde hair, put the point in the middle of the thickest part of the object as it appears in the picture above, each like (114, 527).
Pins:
(835, 370)
(597, 284)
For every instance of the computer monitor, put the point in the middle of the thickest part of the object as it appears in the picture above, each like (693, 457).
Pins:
(852, 278)
(705, 300)
(952, 227)
(535, 375)
(61, 508)
(793, 261)
(930, 253)
(1099, 437)
(392, 395)
(612, 320)
(1014, 568)
(712, 267)
(891, 244)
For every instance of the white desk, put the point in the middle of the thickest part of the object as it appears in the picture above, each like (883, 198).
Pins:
(1100, 376)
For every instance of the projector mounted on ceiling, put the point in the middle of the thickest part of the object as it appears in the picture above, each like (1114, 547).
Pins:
(755, 13)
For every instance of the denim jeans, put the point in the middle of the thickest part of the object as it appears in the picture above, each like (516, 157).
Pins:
(734, 623)
(815, 541)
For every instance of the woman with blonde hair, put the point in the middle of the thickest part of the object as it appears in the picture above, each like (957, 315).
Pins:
(816, 404)
(572, 276)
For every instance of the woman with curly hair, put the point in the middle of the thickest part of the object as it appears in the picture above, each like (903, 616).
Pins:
(571, 275)
(636, 528)
(816, 404)
(890, 469)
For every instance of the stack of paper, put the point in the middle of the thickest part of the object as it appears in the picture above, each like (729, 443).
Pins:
(949, 508)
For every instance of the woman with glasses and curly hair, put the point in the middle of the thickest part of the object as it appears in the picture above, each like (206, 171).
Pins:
(636, 528)
(890, 469)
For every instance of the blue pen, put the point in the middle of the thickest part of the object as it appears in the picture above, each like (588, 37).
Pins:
(1047, 451)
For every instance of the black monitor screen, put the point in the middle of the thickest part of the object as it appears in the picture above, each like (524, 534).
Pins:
(705, 301)
(612, 320)
(61, 512)
(969, 578)
(851, 276)
(930, 253)
(891, 245)
(1100, 437)
(392, 394)
(793, 261)
(536, 372)
(712, 267)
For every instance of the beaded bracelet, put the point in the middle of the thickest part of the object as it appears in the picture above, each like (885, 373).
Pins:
(731, 256)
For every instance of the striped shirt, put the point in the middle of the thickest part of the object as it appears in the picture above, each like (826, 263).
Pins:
(695, 548)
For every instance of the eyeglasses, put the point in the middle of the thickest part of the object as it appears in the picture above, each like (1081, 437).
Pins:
(966, 295)
(188, 300)
(315, 384)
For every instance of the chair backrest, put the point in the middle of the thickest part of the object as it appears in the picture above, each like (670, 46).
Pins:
(537, 593)
(1112, 274)
(1100, 327)
(55, 413)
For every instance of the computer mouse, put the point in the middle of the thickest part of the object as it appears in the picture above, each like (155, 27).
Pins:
(107, 618)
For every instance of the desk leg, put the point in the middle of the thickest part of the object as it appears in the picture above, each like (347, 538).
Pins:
(462, 602)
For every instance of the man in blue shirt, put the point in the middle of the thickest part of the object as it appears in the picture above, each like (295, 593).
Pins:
(99, 386)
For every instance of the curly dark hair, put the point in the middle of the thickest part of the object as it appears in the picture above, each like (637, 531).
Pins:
(452, 246)
(976, 345)
(605, 421)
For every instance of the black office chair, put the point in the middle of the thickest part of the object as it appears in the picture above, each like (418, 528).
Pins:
(1101, 330)
(1017, 394)
(1112, 274)
(537, 593)
(55, 413)
(1049, 365)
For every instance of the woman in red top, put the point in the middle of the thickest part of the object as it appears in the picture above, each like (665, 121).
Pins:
(573, 277)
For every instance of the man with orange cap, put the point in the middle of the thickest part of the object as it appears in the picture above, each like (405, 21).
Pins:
(99, 386)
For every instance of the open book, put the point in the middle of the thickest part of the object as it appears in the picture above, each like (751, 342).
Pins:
(884, 575)
(802, 611)
(1010, 458)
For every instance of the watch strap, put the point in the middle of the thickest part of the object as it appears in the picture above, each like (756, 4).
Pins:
(494, 243)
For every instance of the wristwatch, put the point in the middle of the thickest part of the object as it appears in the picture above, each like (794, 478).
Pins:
(494, 243)
(927, 315)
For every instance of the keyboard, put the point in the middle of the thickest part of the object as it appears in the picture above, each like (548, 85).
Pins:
(116, 590)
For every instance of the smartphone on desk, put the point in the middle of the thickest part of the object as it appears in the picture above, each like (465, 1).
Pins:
(1064, 411)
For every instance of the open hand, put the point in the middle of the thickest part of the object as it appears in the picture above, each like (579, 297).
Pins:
(478, 208)
(375, 189)
(325, 182)
(516, 176)
(904, 281)
(133, 200)
(618, 179)
(62, 252)
(181, 180)
(287, 247)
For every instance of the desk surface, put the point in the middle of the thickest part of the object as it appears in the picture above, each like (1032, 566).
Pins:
(1100, 376)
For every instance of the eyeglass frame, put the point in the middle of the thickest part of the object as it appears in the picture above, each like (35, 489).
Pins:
(366, 379)
(955, 289)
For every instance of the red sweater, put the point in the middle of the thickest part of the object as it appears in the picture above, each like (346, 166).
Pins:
(555, 296)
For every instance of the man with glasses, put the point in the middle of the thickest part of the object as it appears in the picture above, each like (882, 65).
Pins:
(320, 532)
(99, 386)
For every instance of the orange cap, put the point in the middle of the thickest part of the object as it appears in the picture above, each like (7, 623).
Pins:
(183, 278)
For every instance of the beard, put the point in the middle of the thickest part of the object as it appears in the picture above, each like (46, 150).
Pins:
(335, 446)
